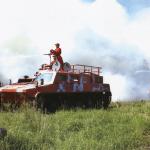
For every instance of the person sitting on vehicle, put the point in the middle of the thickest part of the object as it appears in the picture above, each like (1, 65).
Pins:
(57, 53)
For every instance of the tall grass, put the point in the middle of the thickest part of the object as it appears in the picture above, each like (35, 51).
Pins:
(121, 127)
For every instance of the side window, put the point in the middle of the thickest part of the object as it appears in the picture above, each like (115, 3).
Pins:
(98, 79)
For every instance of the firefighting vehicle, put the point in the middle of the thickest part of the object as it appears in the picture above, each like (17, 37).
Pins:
(53, 87)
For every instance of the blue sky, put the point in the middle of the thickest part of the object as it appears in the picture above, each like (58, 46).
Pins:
(131, 6)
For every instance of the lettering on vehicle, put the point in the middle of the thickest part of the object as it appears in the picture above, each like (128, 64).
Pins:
(61, 87)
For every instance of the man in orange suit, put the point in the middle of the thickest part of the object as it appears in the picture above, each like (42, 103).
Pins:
(57, 53)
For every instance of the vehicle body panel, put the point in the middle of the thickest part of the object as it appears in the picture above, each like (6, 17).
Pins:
(79, 81)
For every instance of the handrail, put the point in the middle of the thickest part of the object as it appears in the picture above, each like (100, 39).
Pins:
(85, 68)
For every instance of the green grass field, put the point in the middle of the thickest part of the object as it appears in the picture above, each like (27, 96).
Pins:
(124, 126)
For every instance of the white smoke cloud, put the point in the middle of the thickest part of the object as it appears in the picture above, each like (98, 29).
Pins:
(103, 30)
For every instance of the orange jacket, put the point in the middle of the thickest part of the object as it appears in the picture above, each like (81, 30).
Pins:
(57, 52)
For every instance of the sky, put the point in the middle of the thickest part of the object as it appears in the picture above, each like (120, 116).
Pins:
(112, 34)
(133, 6)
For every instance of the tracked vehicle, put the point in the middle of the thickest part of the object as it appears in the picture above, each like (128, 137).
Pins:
(53, 88)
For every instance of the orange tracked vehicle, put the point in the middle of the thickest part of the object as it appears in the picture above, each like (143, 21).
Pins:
(53, 88)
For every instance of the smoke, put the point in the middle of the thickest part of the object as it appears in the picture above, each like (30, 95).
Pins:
(120, 64)
(93, 32)
(2, 80)
(18, 58)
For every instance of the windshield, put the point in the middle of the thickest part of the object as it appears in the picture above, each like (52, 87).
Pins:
(46, 77)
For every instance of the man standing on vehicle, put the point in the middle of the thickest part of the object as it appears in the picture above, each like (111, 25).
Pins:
(57, 53)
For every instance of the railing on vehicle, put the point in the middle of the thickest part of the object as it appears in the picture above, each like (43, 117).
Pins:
(85, 69)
